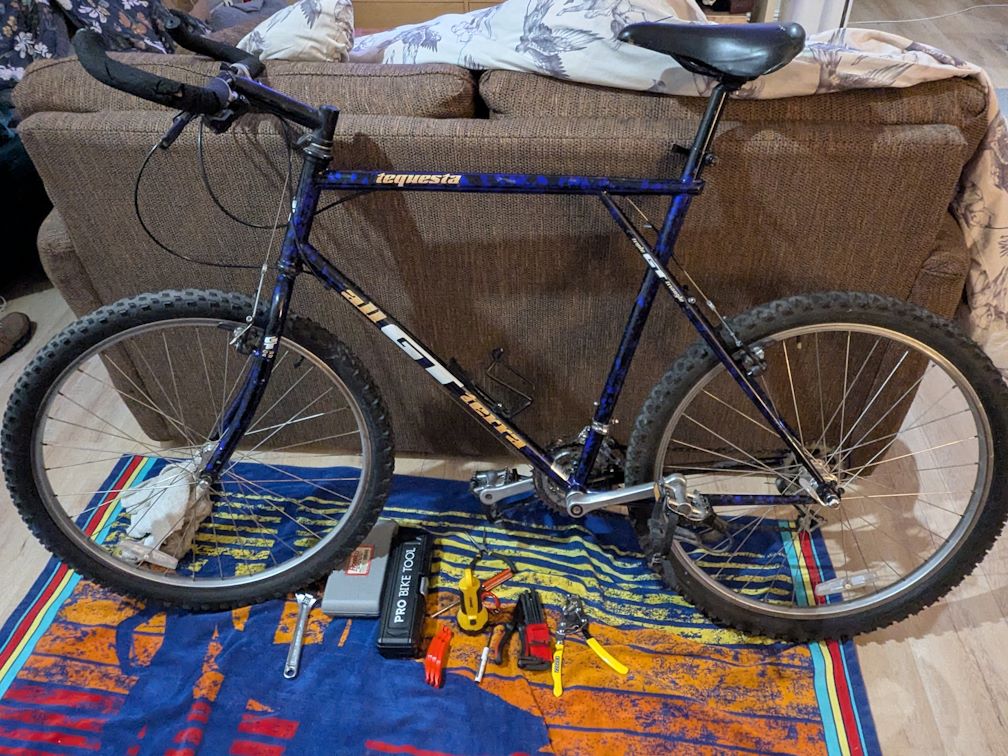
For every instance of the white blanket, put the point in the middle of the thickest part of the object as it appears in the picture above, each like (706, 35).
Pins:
(576, 40)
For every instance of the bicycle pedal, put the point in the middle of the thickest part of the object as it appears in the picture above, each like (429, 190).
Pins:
(492, 487)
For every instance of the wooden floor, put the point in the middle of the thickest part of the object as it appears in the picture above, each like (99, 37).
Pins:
(938, 683)
(979, 36)
(23, 558)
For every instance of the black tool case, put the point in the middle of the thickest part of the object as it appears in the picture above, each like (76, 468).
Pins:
(404, 598)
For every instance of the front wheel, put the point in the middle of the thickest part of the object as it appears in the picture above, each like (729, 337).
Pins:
(107, 431)
(905, 411)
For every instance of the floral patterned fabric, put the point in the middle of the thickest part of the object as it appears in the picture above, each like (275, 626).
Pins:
(34, 29)
(30, 30)
(307, 30)
(567, 39)
(576, 40)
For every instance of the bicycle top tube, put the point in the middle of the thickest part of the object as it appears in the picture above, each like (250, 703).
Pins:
(503, 183)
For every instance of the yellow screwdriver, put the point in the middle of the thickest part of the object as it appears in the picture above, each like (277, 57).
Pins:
(472, 616)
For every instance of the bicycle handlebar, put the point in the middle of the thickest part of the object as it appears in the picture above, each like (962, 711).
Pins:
(220, 91)
(183, 34)
(195, 99)
(189, 97)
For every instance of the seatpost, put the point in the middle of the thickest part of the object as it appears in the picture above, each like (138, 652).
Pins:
(698, 154)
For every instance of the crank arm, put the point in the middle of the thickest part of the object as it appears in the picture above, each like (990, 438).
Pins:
(580, 503)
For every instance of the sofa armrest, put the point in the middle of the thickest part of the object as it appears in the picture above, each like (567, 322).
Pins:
(64, 268)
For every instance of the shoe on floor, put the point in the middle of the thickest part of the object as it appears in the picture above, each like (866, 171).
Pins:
(15, 331)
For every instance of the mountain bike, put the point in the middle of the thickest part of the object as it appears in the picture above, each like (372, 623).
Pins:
(818, 466)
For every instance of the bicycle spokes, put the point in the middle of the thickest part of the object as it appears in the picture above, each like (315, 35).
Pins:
(896, 424)
(126, 431)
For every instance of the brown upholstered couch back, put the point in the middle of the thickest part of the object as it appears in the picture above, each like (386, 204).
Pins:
(844, 191)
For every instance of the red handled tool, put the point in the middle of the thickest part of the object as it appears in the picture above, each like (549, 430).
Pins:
(536, 653)
(437, 653)
(529, 619)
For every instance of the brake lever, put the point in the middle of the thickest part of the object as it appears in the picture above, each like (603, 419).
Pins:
(222, 121)
(179, 122)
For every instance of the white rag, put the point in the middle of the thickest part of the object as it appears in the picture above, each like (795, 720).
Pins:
(158, 506)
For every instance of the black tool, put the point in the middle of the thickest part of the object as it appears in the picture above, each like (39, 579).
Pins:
(404, 595)
(500, 636)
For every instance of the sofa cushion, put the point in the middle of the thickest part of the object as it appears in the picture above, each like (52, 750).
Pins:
(790, 207)
(953, 101)
(432, 90)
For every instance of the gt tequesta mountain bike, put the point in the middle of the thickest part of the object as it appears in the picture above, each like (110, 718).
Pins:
(819, 466)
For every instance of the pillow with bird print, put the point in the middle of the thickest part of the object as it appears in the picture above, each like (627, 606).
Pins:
(306, 30)
(566, 39)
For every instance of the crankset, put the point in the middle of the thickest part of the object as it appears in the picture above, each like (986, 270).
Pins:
(606, 474)
(497, 489)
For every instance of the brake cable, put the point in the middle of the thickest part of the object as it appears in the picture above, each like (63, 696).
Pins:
(158, 242)
(250, 318)
(213, 196)
(181, 120)
(201, 158)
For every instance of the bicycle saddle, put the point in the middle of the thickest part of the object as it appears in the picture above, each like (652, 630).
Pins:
(733, 53)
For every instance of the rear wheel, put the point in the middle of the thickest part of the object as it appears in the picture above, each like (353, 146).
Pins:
(905, 411)
(107, 425)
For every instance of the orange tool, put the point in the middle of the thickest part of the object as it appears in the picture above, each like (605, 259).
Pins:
(437, 652)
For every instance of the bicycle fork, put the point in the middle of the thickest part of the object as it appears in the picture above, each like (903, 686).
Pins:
(237, 418)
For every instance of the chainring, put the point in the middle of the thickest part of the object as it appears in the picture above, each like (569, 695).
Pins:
(607, 472)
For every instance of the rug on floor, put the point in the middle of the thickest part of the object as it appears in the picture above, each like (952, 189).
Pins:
(83, 670)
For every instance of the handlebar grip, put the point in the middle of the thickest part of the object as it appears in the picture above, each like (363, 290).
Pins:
(181, 32)
(149, 86)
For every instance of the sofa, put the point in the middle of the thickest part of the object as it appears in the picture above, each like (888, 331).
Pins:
(841, 191)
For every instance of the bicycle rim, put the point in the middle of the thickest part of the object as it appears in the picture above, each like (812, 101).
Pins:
(126, 420)
(897, 423)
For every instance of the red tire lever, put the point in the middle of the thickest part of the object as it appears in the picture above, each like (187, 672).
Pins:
(437, 652)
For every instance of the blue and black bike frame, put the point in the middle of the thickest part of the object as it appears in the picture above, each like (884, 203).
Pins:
(297, 254)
